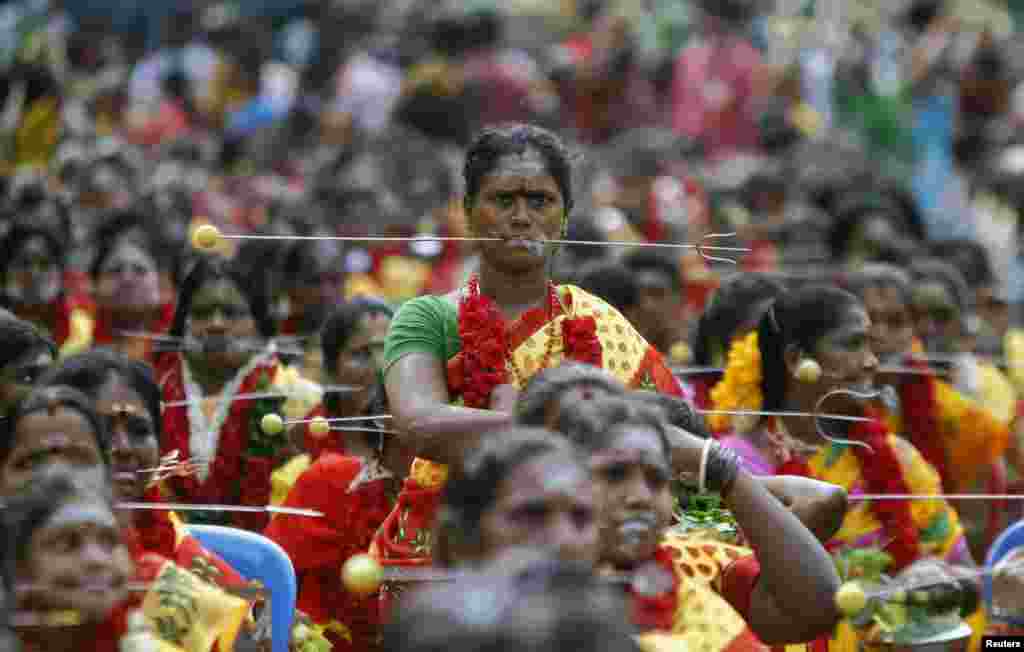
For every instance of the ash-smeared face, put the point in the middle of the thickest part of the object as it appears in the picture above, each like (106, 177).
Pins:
(520, 203)
(634, 501)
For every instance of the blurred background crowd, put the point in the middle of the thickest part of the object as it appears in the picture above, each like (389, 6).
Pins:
(821, 132)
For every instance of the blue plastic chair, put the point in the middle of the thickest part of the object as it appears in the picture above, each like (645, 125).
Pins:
(256, 557)
(1011, 538)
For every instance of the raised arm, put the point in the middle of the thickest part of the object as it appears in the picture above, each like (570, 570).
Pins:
(792, 600)
(820, 506)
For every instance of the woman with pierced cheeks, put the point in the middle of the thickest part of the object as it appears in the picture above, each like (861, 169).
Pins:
(56, 429)
(819, 505)
(127, 401)
(454, 364)
(64, 560)
(783, 602)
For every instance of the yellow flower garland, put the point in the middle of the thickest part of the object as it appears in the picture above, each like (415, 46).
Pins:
(740, 387)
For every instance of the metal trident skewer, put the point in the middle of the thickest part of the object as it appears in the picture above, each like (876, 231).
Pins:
(189, 507)
(700, 248)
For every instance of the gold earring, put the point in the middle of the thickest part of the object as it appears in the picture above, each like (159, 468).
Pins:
(808, 371)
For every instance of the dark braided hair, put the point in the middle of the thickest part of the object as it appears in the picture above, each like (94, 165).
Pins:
(733, 304)
(594, 425)
(797, 319)
(548, 386)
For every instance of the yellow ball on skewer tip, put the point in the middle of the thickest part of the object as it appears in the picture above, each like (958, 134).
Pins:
(301, 633)
(319, 426)
(851, 599)
(362, 575)
(205, 237)
(808, 371)
(272, 424)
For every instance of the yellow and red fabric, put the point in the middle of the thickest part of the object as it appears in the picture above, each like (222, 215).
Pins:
(404, 538)
(74, 323)
(715, 582)
(354, 502)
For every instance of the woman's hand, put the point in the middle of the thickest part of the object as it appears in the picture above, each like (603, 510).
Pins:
(503, 398)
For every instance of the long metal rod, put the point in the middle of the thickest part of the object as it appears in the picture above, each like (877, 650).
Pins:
(185, 507)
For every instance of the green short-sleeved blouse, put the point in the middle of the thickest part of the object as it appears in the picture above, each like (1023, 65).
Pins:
(427, 324)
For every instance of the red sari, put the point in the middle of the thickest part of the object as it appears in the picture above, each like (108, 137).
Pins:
(353, 495)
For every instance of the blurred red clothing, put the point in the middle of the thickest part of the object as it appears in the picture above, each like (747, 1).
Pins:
(714, 95)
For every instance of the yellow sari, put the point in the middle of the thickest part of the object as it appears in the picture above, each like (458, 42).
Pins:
(404, 538)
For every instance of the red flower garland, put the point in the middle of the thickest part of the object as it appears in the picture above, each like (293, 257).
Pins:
(920, 424)
(882, 474)
(486, 350)
(485, 347)
(657, 611)
(226, 481)
(579, 336)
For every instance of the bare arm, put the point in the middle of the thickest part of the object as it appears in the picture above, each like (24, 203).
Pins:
(418, 395)
(793, 600)
(820, 506)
